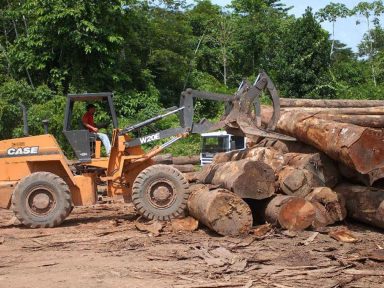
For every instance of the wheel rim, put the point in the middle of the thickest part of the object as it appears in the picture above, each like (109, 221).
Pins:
(161, 193)
(40, 201)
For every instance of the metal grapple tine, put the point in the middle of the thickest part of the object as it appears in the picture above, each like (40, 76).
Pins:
(242, 112)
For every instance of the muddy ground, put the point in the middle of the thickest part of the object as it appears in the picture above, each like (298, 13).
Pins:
(100, 246)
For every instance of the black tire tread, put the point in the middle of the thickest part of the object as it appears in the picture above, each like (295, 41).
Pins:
(47, 177)
(149, 172)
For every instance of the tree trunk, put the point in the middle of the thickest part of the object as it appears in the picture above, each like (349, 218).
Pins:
(327, 103)
(296, 181)
(191, 176)
(270, 156)
(377, 110)
(287, 146)
(330, 207)
(346, 143)
(353, 176)
(290, 213)
(319, 164)
(220, 210)
(372, 121)
(185, 168)
(365, 204)
(183, 160)
(223, 157)
(304, 171)
(163, 159)
(246, 178)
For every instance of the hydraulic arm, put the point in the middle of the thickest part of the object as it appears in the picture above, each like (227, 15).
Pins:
(242, 114)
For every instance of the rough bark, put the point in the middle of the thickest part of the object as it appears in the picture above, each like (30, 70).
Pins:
(329, 103)
(357, 147)
(290, 213)
(330, 207)
(287, 146)
(183, 160)
(296, 181)
(365, 204)
(163, 159)
(191, 176)
(353, 176)
(223, 157)
(220, 210)
(304, 171)
(246, 178)
(185, 168)
(270, 156)
(349, 111)
(319, 164)
(372, 121)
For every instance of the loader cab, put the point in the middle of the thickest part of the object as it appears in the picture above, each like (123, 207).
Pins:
(80, 139)
(217, 142)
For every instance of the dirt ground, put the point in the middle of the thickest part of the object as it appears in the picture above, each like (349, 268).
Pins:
(100, 246)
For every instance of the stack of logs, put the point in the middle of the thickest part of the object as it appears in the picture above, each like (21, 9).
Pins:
(335, 166)
(185, 164)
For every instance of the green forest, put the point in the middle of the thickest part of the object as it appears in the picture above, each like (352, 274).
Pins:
(148, 52)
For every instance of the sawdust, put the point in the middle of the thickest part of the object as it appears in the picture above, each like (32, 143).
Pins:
(100, 246)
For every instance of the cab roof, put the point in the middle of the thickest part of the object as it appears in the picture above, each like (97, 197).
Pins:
(90, 96)
(215, 134)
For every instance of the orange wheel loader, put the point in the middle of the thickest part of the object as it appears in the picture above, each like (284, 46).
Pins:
(39, 185)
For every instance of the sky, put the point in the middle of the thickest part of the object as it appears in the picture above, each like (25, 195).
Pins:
(346, 30)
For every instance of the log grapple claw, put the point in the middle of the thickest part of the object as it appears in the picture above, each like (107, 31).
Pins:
(242, 115)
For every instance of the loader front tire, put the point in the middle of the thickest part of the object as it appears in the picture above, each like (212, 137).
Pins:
(160, 192)
(41, 200)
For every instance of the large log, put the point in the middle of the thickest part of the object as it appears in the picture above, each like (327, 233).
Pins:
(247, 178)
(184, 160)
(304, 171)
(330, 207)
(297, 181)
(353, 176)
(364, 204)
(319, 164)
(185, 168)
(286, 146)
(163, 159)
(329, 103)
(357, 147)
(270, 156)
(289, 212)
(373, 121)
(349, 111)
(191, 176)
(220, 210)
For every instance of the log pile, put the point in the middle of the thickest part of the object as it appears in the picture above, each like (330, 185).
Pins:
(330, 171)
(185, 164)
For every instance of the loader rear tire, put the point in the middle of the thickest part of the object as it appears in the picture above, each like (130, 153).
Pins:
(41, 200)
(160, 192)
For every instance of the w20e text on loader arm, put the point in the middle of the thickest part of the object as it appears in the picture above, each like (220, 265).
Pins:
(39, 185)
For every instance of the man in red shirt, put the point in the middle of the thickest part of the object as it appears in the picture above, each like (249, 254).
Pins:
(89, 123)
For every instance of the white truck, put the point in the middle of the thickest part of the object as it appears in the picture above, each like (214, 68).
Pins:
(217, 142)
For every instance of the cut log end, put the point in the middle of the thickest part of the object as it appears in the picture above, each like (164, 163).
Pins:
(295, 181)
(247, 178)
(330, 207)
(290, 213)
(220, 210)
(297, 214)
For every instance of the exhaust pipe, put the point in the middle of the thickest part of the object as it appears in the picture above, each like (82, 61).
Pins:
(45, 123)
(25, 119)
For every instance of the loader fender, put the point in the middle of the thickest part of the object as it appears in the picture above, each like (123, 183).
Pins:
(6, 190)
